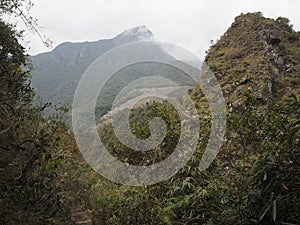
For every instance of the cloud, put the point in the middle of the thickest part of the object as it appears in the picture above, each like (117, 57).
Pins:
(188, 23)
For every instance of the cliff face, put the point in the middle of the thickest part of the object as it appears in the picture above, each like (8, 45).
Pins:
(257, 54)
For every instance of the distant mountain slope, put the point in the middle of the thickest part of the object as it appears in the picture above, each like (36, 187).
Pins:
(56, 73)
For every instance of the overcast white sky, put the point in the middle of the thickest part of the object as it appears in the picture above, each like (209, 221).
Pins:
(188, 23)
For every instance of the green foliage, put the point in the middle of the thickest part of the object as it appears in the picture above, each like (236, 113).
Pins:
(20, 9)
(290, 45)
(246, 63)
(128, 207)
(30, 191)
(274, 195)
(219, 54)
(283, 21)
(255, 178)
(139, 121)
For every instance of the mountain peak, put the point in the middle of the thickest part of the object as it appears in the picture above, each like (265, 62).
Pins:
(137, 33)
(257, 54)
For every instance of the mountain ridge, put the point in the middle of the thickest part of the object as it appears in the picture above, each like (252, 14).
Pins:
(56, 73)
(258, 55)
(145, 33)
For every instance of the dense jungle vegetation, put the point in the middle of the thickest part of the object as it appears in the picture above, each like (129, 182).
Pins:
(255, 178)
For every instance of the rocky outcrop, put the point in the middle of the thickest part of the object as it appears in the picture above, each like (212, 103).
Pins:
(80, 216)
(255, 54)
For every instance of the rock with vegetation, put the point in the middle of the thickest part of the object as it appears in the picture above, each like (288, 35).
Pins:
(255, 178)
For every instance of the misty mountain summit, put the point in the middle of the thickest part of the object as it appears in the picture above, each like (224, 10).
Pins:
(56, 73)
(135, 34)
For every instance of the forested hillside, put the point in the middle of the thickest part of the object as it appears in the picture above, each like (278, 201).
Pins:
(56, 74)
(255, 178)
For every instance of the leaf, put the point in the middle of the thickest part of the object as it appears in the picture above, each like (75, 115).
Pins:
(263, 215)
(3, 131)
(272, 158)
(274, 211)
(265, 177)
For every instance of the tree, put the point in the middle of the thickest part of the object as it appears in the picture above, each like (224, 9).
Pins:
(29, 190)
(21, 10)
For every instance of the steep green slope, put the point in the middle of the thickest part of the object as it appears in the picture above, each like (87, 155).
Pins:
(258, 54)
(255, 177)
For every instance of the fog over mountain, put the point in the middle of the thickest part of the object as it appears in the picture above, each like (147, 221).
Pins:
(56, 73)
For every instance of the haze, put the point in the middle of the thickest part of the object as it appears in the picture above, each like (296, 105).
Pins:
(190, 24)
